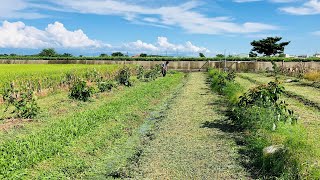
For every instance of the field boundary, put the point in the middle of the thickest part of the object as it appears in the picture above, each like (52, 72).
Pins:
(179, 65)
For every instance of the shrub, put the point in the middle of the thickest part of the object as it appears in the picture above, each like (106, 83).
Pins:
(153, 74)
(24, 101)
(81, 91)
(266, 123)
(105, 86)
(140, 73)
(123, 76)
(267, 96)
(93, 75)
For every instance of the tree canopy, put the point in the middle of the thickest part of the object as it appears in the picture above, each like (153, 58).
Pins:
(202, 55)
(49, 52)
(269, 46)
(220, 55)
(143, 55)
(117, 54)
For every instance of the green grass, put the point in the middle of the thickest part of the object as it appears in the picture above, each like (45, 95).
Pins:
(191, 142)
(88, 132)
(51, 76)
(298, 160)
(307, 132)
(310, 94)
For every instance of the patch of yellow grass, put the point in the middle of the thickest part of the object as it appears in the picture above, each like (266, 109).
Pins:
(312, 76)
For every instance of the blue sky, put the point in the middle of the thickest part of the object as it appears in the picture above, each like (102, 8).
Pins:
(175, 27)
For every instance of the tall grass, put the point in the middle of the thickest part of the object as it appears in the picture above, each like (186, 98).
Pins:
(312, 76)
(51, 76)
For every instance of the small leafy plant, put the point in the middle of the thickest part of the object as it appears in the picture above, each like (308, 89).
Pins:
(140, 72)
(123, 76)
(106, 86)
(81, 91)
(24, 102)
(267, 96)
(153, 73)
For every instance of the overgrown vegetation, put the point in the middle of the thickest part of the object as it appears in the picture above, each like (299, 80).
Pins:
(274, 141)
(123, 76)
(50, 78)
(23, 101)
(81, 91)
(149, 75)
(312, 76)
(104, 86)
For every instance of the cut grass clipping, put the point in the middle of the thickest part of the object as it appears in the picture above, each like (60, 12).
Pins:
(121, 116)
(275, 147)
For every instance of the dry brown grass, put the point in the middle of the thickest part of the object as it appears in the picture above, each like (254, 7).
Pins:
(313, 76)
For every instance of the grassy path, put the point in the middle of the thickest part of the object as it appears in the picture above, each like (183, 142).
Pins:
(189, 143)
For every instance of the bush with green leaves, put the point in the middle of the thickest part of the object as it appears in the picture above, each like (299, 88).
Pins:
(23, 101)
(265, 96)
(153, 73)
(220, 80)
(81, 91)
(123, 76)
(140, 72)
(265, 121)
(104, 86)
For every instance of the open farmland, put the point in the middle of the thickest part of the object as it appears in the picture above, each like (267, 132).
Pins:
(136, 124)
(65, 126)
(51, 76)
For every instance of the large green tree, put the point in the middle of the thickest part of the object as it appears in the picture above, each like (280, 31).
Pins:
(269, 46)
(49, 52)
(202, 55)
(116, 54)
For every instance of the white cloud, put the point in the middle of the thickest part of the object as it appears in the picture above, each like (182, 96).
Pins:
(316, 33)
(18, 35)
(140, 46)
(183, 16)
(164, 45)
(14, 9)
(309, 8)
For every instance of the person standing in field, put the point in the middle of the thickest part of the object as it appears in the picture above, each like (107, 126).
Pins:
(164, 68)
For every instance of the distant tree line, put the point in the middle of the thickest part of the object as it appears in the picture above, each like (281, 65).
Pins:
(270, 46)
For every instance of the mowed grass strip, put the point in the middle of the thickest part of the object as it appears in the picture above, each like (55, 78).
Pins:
(21, 153)
(189, 143)
(110, 150)
(54, 107)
